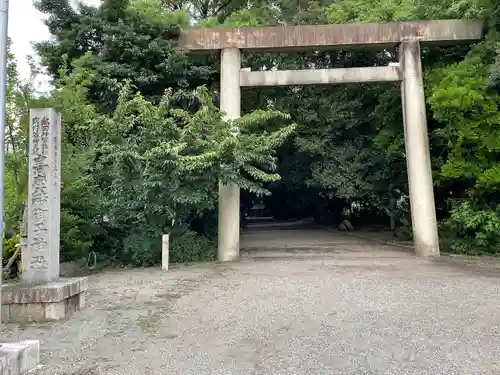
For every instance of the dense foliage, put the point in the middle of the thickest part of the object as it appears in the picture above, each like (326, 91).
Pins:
(145, 146)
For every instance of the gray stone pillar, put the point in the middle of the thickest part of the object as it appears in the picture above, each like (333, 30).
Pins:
(423, 210)
(43, 296)
(229, 195)
(40, 258)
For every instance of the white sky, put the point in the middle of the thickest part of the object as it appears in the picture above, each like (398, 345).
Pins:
(26, 26)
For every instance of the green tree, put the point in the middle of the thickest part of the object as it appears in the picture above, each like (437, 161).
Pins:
(19, 96)
(157, 166)
(129, 40)
(464, 104)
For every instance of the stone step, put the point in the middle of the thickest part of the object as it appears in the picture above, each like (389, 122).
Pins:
(17, 358)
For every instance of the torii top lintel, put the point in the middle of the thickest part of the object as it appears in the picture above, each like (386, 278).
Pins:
(284, 38)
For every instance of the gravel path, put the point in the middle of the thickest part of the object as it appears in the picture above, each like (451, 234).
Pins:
(339, 305)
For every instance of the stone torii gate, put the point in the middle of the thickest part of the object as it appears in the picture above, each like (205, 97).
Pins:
(408, 36)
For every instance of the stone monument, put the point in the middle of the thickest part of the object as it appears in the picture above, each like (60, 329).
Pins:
(42, 295)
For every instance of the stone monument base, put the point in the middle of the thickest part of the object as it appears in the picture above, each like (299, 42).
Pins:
(56, 300)
(18, 358)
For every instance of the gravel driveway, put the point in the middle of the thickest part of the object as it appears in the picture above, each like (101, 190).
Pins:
(298, 303)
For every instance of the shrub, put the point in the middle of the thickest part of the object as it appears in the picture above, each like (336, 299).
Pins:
(142, 248)
(10, 246)
(474, 230)
(192, 247)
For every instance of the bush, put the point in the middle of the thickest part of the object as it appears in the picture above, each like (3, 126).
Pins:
(10, 246)
(474, 230)
(192, 247)
(142, 248)
(76, 236)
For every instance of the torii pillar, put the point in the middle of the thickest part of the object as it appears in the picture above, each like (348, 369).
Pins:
(229, 195)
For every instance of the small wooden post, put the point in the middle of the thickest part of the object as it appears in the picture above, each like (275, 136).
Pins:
(164, 251)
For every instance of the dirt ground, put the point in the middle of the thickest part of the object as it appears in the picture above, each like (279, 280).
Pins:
(299, 302)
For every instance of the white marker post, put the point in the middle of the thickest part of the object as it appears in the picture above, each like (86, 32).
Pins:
(165, 243)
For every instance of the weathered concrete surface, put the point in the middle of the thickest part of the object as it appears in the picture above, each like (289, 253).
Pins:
(17, 358)
(51, 301)
(327, 36)
(319, 76)
(346, 306)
